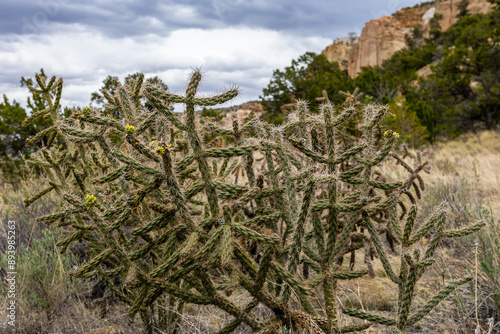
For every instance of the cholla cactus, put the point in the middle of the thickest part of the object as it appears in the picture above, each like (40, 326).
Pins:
(176, 227)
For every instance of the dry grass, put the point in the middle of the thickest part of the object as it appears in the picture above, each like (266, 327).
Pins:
(465, 173)
(468, 167)
(475, 158)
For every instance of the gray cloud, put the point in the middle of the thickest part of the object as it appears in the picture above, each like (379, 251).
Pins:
(237, 42)
(132, 18)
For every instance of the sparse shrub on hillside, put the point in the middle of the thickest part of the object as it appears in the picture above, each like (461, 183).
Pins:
(44, 272)
(170, 221)
(406, 122)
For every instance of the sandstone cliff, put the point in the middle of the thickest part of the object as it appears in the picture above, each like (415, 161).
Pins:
(382, 37)
(241, 112)
(339, 51)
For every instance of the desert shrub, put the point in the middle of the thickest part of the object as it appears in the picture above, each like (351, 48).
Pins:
(405, 121)
(43, 275)
(171, 221)
(13, 209)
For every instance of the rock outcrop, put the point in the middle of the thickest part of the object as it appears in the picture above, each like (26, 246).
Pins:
(241, 112)
(382, 37)
(449, 10)
(339, 51)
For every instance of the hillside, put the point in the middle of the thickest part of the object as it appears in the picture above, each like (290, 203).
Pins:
(438, 83)
(384, 36)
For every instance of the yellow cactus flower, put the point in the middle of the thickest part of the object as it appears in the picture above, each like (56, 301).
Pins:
(389, 133)
(90, 200)
(160, 150)
(130, 129)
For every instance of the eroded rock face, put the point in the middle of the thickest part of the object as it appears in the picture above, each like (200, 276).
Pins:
(339, 51)
(449, 10)
(242, 113)
(382, 37)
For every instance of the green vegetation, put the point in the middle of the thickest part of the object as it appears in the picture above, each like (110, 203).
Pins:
(14, 134)
(461, 94)
(422, 4)
(305, 79)
(45, 274)
(13, 138)
(464, 88)
(11, 117)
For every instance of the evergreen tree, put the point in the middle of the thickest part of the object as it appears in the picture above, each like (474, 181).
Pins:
(305, 79)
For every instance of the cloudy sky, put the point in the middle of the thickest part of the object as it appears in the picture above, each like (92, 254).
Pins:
(235, 42)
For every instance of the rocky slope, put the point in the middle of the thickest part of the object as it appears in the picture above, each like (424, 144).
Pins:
(241, 112)
(382, 37)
